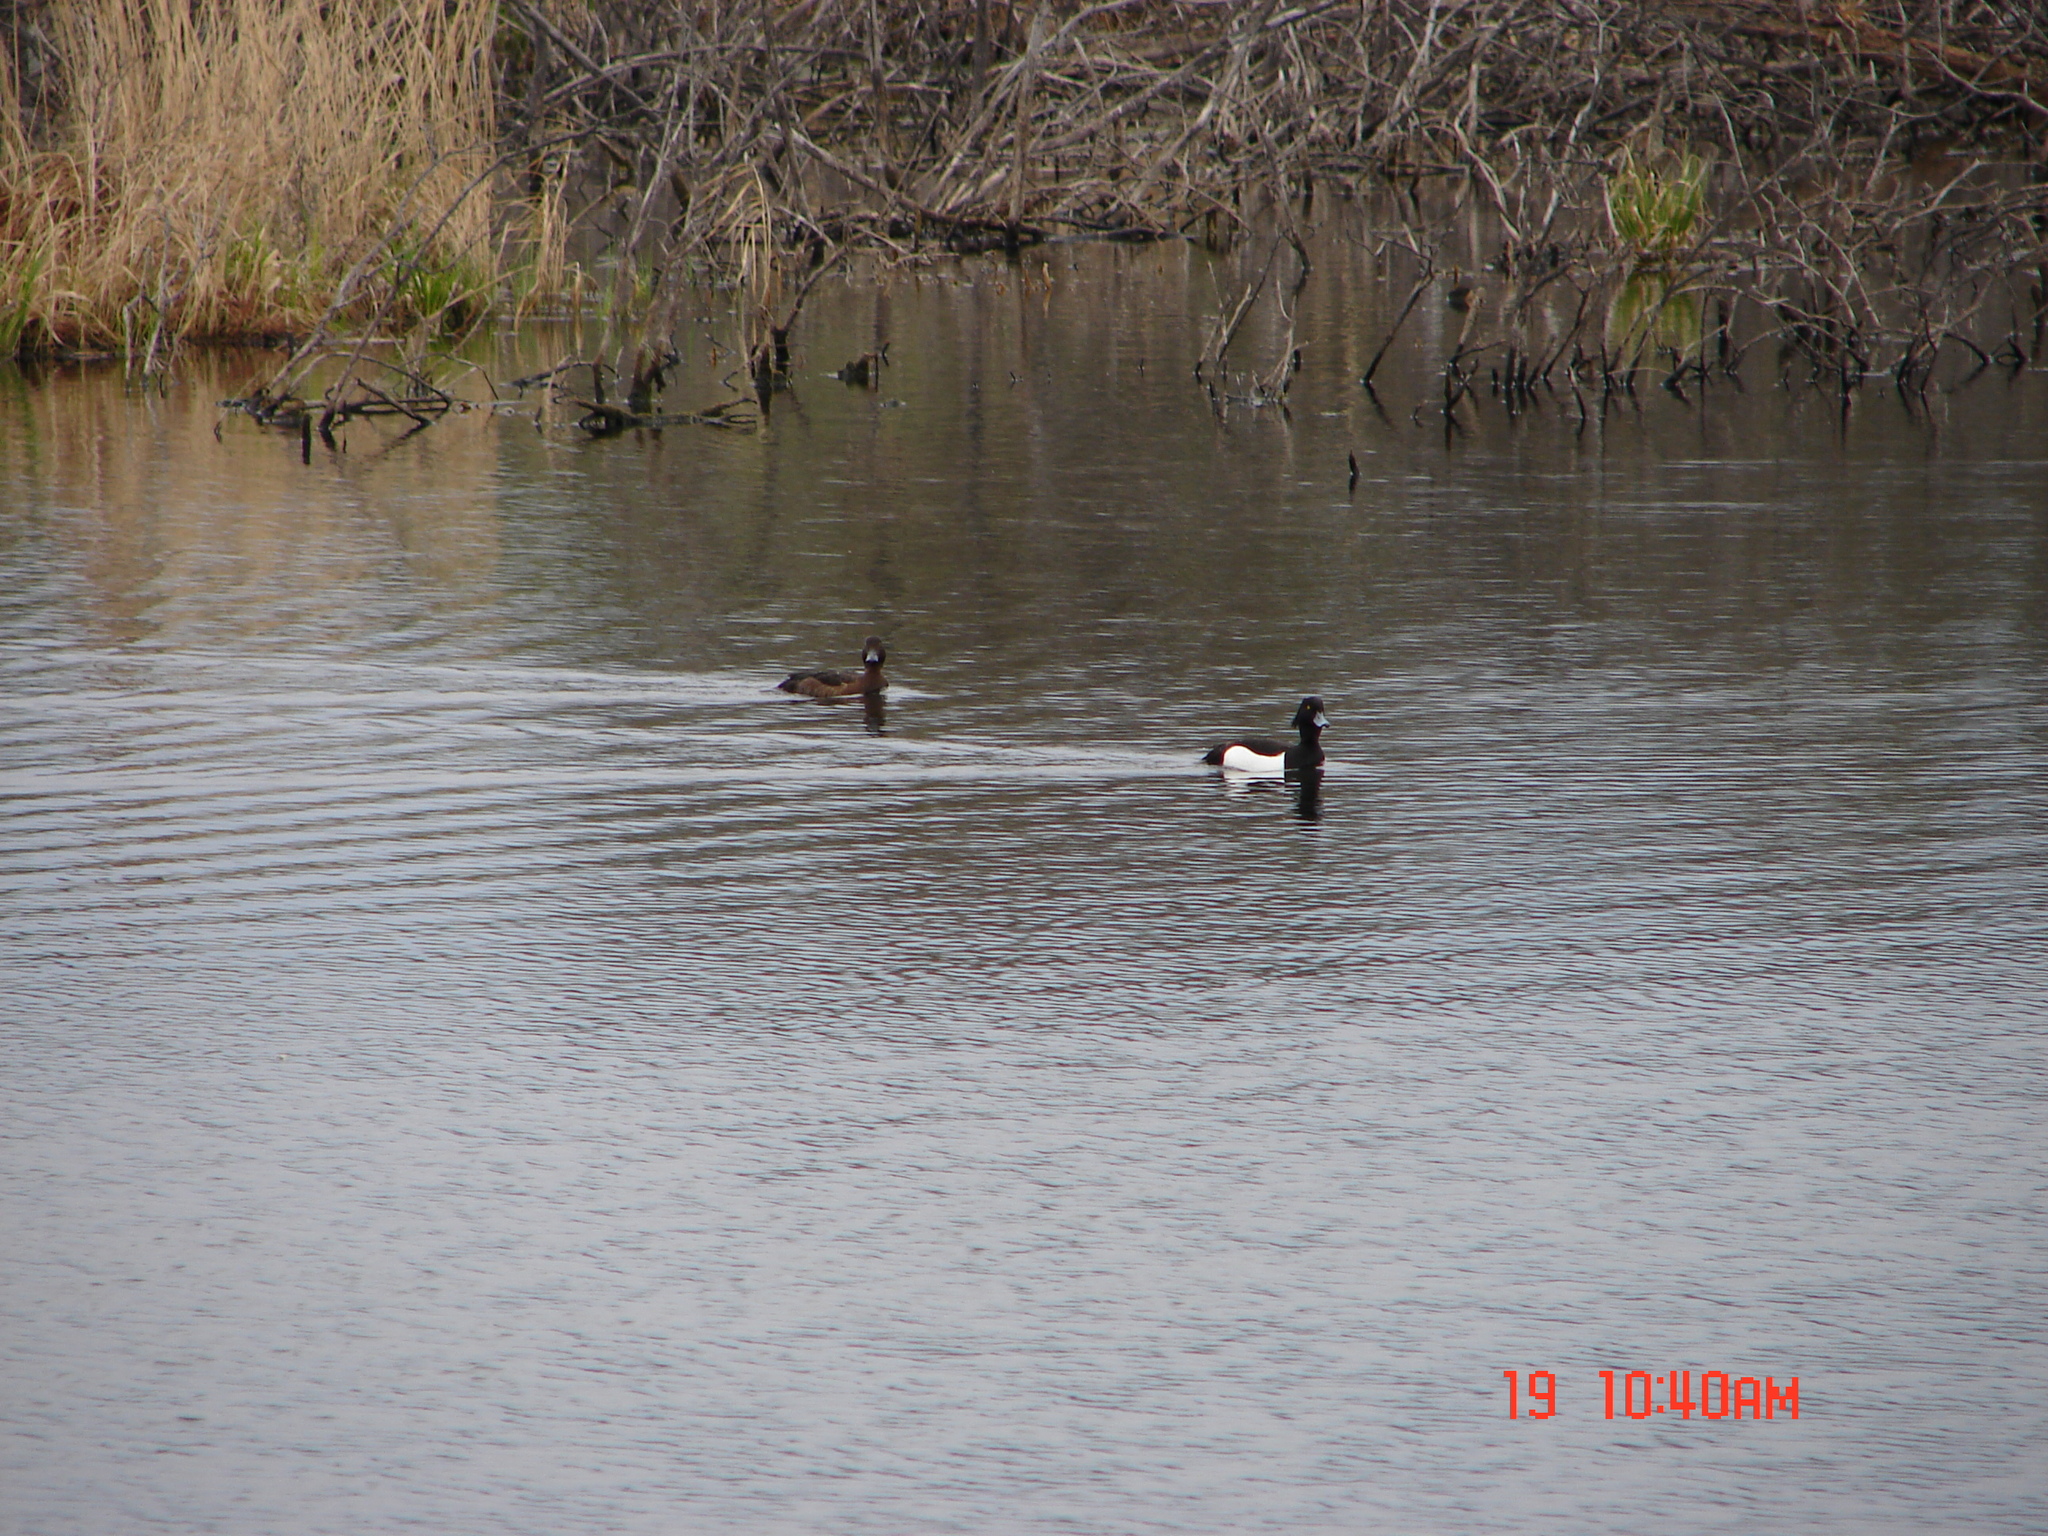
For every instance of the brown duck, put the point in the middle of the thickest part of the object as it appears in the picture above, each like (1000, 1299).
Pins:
(826, 684)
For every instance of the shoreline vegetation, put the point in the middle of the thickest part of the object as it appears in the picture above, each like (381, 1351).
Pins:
(1664, 184)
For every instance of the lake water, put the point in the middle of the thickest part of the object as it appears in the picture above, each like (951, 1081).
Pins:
(477, 1059)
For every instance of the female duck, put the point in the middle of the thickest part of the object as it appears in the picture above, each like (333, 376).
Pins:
(1261, 754)
(826, 684)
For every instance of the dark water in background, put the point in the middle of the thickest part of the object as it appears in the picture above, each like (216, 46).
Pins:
(477, 1060)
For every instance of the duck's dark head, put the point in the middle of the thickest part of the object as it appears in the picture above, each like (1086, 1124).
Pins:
(871, 652)
(1310, 716)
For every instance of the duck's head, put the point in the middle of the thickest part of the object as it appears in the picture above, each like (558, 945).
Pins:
(1310, 716)
(871, 652)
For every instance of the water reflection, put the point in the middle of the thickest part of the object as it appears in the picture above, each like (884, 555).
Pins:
(404, 855)
(1652, 315)
(1305, 791)
(873, 709)
(1308, 797)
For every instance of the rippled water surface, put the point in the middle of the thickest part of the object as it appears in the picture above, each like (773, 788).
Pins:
(479, 1060)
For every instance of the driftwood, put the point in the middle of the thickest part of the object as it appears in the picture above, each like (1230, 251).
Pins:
(420, 401)
(601, 419)
(865, 370)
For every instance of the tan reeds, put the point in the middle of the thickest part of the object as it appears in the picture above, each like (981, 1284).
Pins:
(209, 167)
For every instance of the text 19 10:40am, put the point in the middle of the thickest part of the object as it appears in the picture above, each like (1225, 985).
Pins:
(1720, 1395)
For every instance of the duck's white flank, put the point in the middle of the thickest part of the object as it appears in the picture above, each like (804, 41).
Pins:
(1245, 760)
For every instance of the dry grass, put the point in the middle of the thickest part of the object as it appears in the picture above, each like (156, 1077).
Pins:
(209, 168)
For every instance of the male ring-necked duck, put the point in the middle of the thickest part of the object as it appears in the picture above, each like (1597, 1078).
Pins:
(1262, 754)
(827, 684)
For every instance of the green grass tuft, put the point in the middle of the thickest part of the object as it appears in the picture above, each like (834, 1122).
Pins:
(1655, 210)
